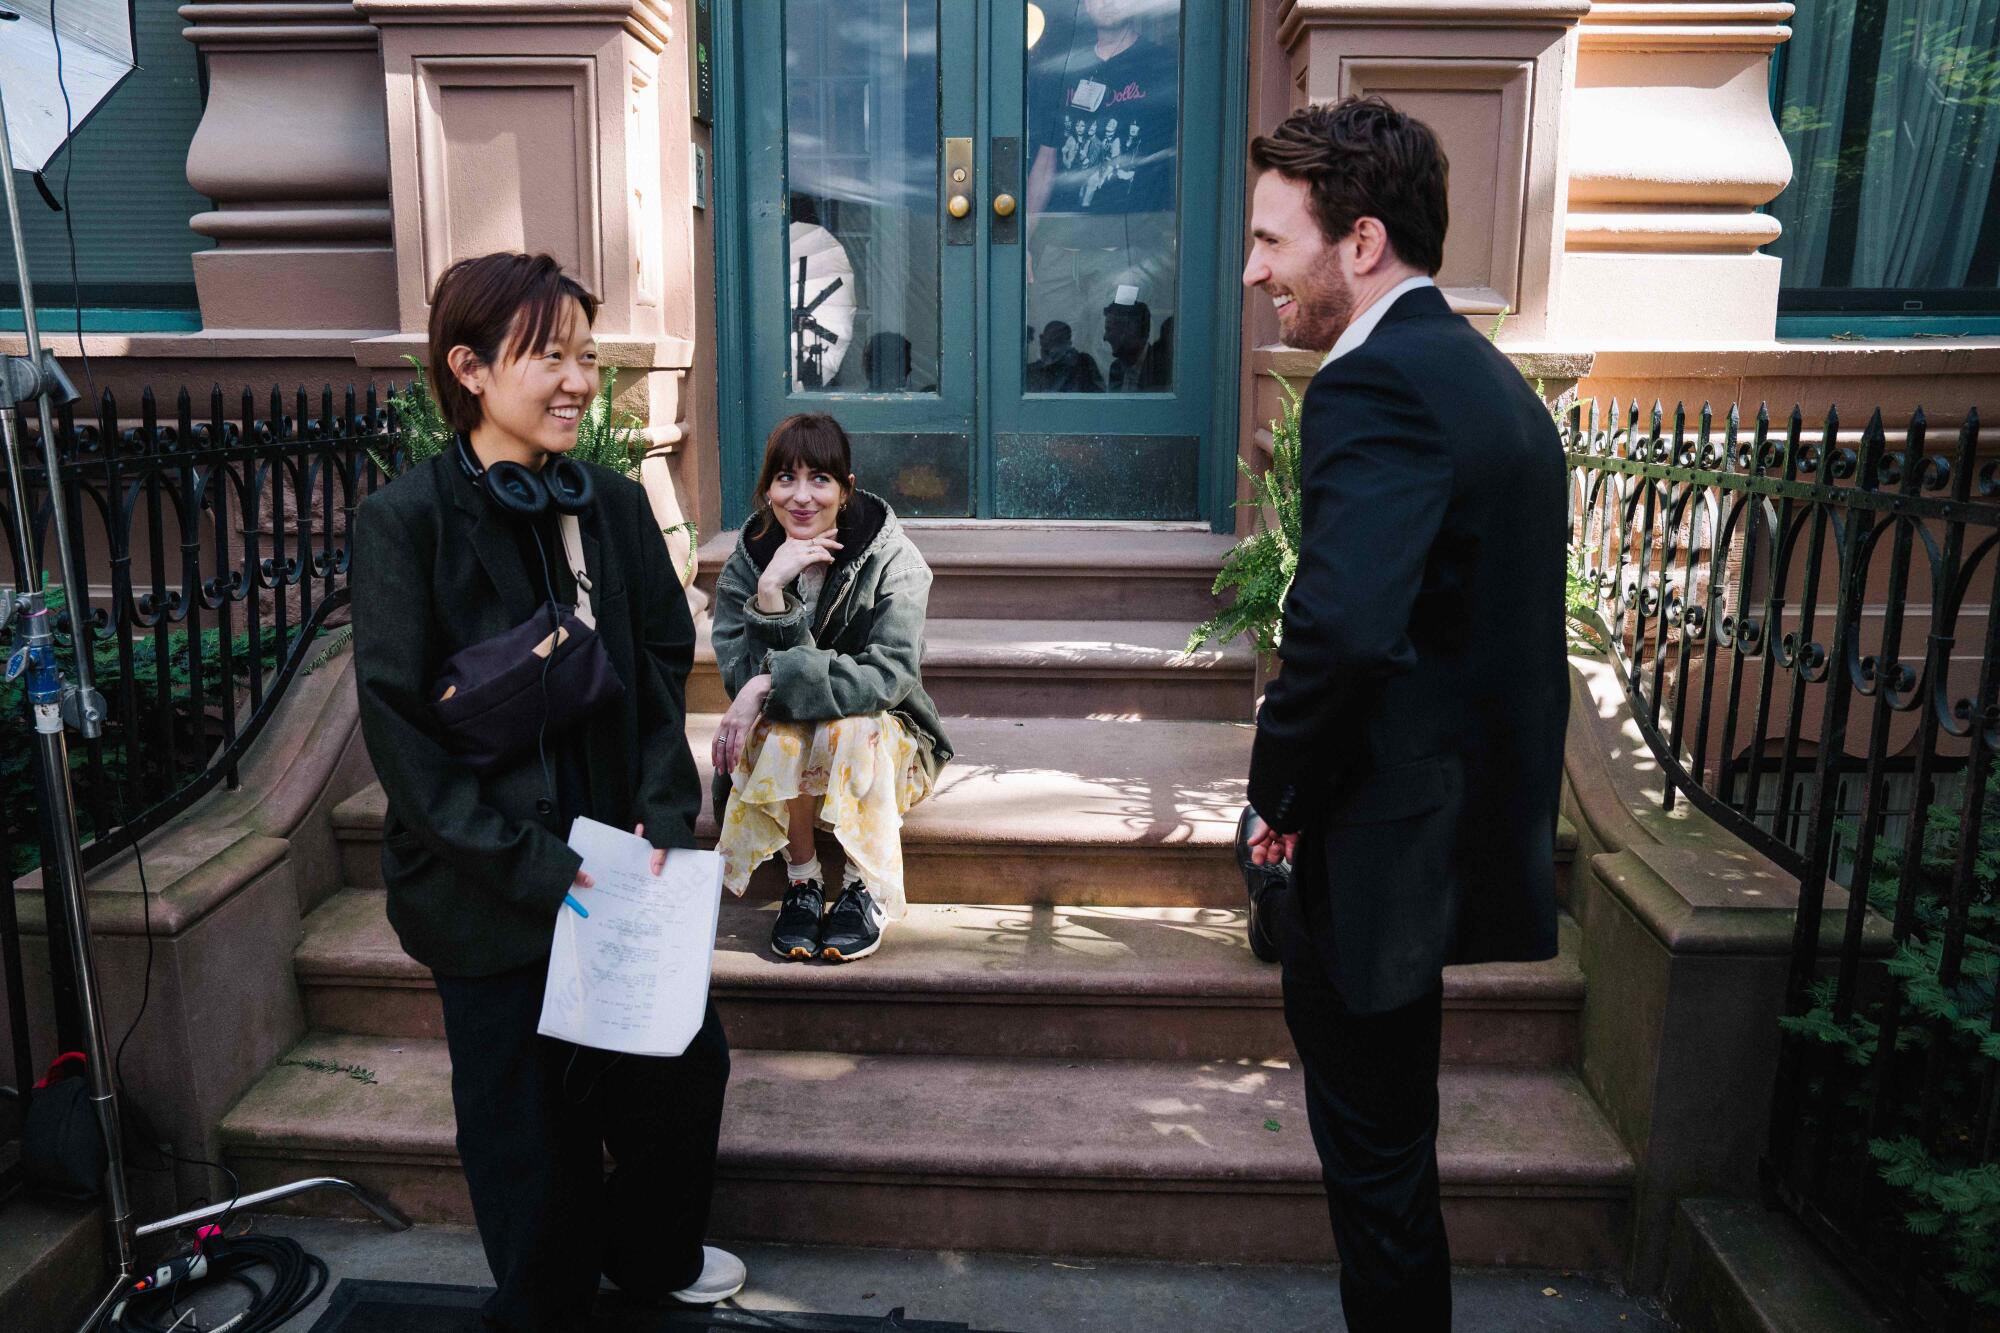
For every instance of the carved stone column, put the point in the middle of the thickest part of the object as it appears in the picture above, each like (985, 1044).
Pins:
(293, 151)
(1489, 76)
(1672, 150)
(556, 125)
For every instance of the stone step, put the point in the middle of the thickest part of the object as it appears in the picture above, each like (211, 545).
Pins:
(52, 1258)
(1053, 572)
(1059, 668)
(958, 979)
(1033, 810)
(1173, 1160)
(1057, 811)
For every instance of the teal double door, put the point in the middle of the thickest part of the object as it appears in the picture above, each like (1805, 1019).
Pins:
(997, 240)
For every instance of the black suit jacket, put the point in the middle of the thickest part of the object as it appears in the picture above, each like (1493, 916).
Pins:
(475, 874)
(1413, 736)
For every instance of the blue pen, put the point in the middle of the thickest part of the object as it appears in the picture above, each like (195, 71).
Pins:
(576, 906)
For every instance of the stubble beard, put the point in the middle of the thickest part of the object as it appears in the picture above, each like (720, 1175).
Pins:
(1324, 308)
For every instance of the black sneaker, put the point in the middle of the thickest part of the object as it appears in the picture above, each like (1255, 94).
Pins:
(797, 933)
(853, 928)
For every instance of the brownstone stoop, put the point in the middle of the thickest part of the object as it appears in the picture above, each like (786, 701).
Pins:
(1067, 1047)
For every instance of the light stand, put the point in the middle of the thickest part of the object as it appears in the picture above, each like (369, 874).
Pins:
(55, 704)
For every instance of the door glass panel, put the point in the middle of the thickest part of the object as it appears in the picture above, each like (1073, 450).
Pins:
(1097, 476)
(861, 162)
(1103, 103)
(922, 474)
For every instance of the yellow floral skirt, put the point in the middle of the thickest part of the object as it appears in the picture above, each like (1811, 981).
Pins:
(868, 771)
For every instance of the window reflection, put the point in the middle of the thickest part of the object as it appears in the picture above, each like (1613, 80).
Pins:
(1888, 112)
(861, 161)
(1102, 263)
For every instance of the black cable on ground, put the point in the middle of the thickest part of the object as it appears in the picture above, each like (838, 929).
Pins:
(296, 1280)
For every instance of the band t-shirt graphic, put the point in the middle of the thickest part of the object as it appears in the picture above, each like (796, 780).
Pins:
(1112, 125)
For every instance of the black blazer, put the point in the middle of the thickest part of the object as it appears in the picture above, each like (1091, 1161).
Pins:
(475, 875)
(1414, 734)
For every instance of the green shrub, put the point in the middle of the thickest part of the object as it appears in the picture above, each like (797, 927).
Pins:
(18, 762)
(1259, 568)
(1949, 1195)
(602, 437)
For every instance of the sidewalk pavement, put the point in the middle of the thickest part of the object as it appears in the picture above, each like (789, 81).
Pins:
(1004, 1293)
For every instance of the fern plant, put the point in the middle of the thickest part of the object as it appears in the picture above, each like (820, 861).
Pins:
(1950, 1197)
(1959, 1208)
(609, 440)
(1259, 568)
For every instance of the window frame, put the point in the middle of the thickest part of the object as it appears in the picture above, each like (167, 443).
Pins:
(1883, 312)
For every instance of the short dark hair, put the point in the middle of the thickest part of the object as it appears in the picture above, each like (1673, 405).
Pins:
(1361, 157)
(1138, 312)
(480, 302)
(802, 442)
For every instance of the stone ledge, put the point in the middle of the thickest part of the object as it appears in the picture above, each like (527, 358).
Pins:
(623, 351)
(228, 838)
(1827, 357)
(1695, 885)
(51, 1262)
(209, 344)
(1535, 361)
(651, 21)
(1301, 15)
(190, 870)
(1735, 1266)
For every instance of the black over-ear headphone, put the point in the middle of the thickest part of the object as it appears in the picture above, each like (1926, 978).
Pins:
(563, 484)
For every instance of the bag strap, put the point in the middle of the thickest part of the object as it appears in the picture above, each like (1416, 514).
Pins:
(572, 539)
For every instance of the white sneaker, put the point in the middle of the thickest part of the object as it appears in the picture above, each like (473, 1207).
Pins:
(722, 1276)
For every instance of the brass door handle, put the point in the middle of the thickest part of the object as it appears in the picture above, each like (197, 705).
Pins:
(959, 228)
(1003, 205)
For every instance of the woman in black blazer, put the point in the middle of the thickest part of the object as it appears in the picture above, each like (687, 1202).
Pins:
(460, 549)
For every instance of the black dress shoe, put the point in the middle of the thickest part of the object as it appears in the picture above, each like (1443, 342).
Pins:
(1264, 884)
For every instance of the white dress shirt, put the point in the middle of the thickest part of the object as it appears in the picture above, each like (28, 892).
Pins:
(1364, 323)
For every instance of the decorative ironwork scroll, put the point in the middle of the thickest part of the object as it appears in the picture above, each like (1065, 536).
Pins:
(1807, 625)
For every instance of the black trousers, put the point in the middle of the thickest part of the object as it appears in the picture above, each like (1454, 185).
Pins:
(535, 1118)
(1372, 1105)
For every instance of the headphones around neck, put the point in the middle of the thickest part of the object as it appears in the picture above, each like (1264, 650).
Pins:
(563, 484)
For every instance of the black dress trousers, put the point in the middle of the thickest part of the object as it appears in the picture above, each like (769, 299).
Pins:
(535, 1118)
(1372, 1105)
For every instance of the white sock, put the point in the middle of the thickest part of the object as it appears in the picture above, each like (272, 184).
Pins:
(851, 879)
(801, 871)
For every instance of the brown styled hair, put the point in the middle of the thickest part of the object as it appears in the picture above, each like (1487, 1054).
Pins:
(1360, 157)
(499, 305)
(803, 442)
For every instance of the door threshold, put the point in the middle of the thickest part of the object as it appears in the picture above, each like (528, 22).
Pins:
(1058, 524)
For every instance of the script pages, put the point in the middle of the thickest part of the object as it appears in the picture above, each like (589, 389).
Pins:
(633, 975)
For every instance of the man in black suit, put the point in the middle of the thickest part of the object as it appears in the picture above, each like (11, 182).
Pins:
(1409, 752)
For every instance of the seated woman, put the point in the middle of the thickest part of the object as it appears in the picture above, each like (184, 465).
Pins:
(457, 552)
(818, 630)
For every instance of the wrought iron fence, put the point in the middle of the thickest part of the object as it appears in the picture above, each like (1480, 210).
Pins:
(1807, 624)
(211, 552)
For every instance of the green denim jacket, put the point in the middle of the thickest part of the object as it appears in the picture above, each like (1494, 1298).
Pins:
(861, 656)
